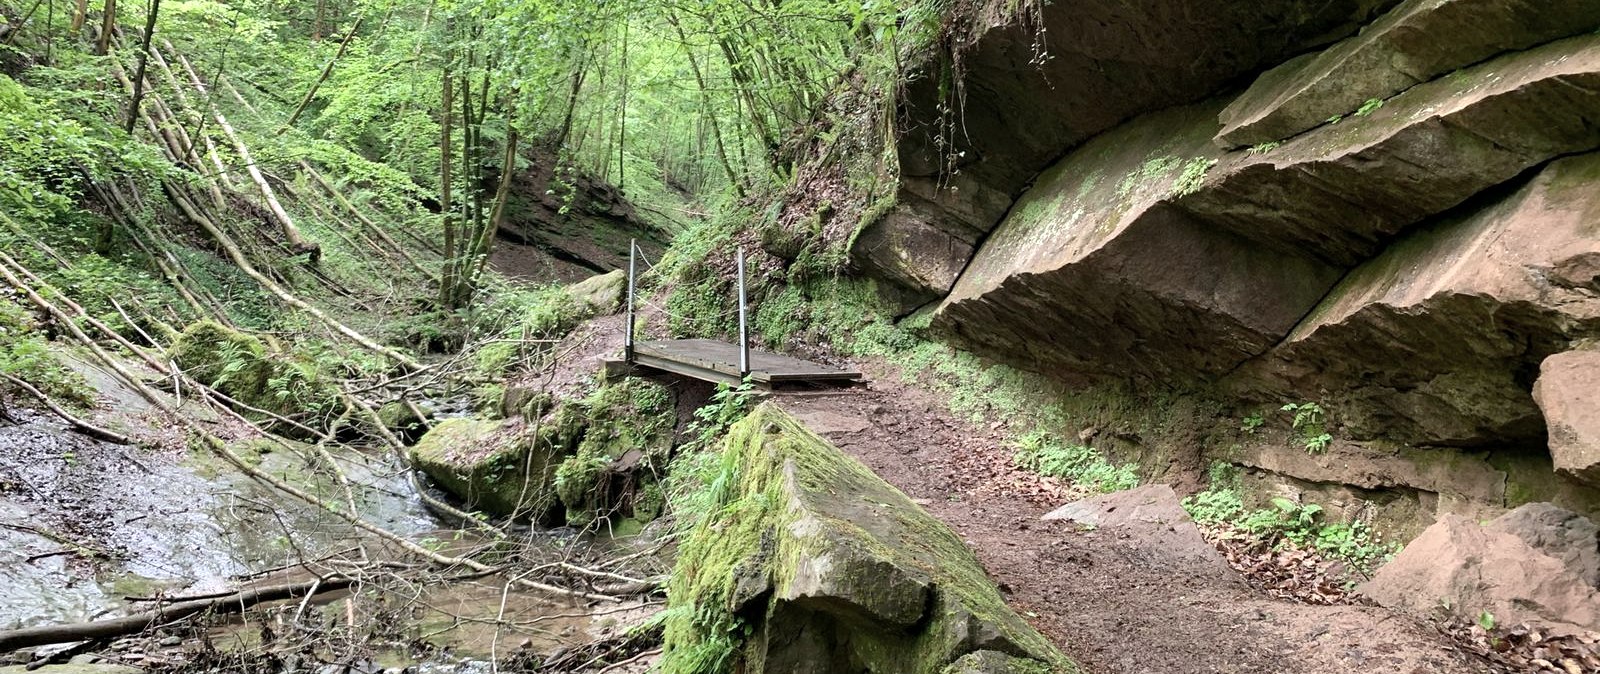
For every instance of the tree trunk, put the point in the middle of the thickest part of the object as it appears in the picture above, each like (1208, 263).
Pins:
(508, 169)
(711, 112)
(326, 70)
(291, 233)
(80, 12)
(235, 602)
(447, 278)
(144, 59)
(108, 23)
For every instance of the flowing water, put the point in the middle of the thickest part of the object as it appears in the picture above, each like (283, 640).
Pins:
(85, 525)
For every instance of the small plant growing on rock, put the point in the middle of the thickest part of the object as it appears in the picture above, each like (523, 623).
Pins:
(1252, 423)
(1310, 424)
(1369, 107)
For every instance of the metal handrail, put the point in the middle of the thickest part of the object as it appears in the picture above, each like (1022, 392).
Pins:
(744, 308)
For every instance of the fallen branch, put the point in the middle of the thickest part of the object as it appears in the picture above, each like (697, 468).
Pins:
(235, 602)
(220, 447)
(77, 424)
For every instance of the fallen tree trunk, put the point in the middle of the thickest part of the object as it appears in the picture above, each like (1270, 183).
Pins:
(236, 602)
(291, 233)
(244, 265)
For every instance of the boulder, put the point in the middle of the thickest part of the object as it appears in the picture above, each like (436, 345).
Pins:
(1435, 340)
(1536, 564)
(498, 467)
(1568, 393)
(829, 569)
(1153, 515)
(1411, 44)
(1030, 89)
(1339, 192)
(601, 294)
(1094, 271)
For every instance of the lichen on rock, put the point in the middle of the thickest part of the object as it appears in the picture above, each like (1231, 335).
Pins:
(808, 562)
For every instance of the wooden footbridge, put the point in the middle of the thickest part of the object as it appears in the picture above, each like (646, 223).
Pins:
(720, 362)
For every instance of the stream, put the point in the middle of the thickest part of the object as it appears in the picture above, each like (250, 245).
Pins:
(87, 525)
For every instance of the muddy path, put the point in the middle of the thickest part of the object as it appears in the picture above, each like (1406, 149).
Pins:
(1117, 603)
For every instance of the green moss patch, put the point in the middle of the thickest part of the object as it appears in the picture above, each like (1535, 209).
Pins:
(242, 367)
(806, 555)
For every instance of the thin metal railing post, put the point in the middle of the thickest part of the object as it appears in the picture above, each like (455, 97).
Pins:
(744, 324)
(627, 344)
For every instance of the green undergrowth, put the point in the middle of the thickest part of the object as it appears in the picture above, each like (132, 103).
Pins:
(1286, 523)
(26, 355)
(246, 369)
(1045, 454)
(519, 324)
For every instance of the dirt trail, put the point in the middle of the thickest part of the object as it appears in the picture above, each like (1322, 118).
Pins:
(1117, 604)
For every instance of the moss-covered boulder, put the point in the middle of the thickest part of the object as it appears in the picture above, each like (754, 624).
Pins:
(243, 368)
(808, 562)
(601, 294)
(503, 468)
(626, 443)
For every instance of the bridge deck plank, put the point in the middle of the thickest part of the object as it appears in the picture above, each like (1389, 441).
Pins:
(719, 361)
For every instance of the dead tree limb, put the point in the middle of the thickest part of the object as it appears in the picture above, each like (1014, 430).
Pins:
(236, 602)
(291, 233)
(72, 420)
(326, 70)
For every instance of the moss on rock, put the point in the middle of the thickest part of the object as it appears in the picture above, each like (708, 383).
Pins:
(627, 438)
(807, 556)
(498, 467)
(242, 367)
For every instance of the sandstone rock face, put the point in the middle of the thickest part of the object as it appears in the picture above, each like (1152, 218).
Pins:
(1536, 564)
(1023, 102)
(1413, 43)
(1568, 392)
(1095, 271)
(1337, 193)
(1435, 340)
(601, 294)
(1152, 514)
(835, 571)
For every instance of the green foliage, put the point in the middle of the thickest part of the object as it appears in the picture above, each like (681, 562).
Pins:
(1044, 453)
(1369, 107)
(728, 405)
(1252, 422)
(1487, 621)
(1193, 176)
(242, 367)
(522, 321)
(1286, 523)
(1310, 425)
(24, 354)
(1263, 148)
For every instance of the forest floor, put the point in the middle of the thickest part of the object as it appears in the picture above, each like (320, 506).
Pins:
(1117, 602)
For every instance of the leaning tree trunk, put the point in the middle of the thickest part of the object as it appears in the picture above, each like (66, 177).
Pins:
(297, 243)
